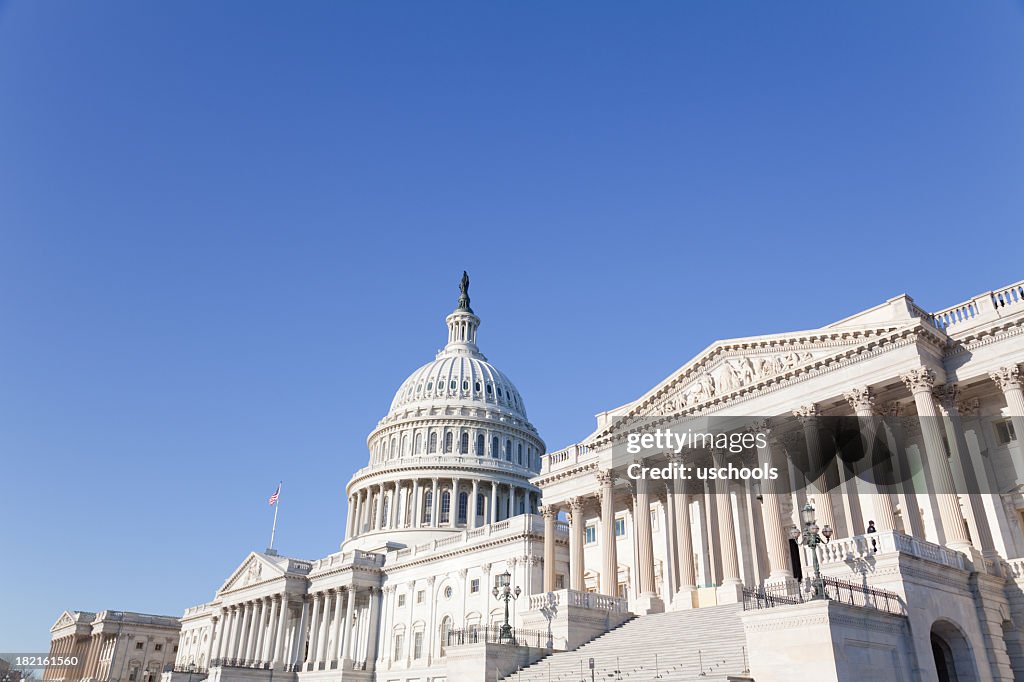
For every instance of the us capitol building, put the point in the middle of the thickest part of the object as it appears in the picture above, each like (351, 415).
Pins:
(460, 511)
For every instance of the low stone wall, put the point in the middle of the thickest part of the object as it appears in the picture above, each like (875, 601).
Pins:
(488, 661)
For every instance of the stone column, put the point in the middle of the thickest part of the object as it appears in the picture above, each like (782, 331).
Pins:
(1010, 380)
(268, 646)
(493, 511)
(684, 547)
(920, 382)
(863, 403)
(243, 641)
(434, 521)
(472, 504)
(576, 541)
(332, 654)
(325, 627)
(314, 630)
(346, 639)
(371, 627)
(393, 523)
(648, 600)
(453, 506)
(415, 507)
(378, 515)
(609, 553)
(299, 644)
(282, 625)
(549, 513)
(254, 630)
(819, 487)
(730, 591)
(948, 397)
(780, 570)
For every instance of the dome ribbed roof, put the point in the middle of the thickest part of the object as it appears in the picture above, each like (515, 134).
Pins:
(459, 379)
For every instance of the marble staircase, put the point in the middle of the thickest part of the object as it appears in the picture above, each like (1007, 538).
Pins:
(706, 644)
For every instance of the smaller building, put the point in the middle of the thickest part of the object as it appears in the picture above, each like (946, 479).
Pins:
(111, 646)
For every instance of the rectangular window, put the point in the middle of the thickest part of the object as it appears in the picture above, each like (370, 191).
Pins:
(138, 645)
(474, 585)
(1004, 432)
(590, 534)
(398, 647)
(419, 597)
(620, 528)
(417, 645)
(401, 600)
(158, 647)
(559, 582)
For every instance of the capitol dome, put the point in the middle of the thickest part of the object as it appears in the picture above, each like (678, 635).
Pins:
(454, 451)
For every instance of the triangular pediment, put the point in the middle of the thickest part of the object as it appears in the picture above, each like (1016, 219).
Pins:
(728, 370)
(67, 618)
(256, 568)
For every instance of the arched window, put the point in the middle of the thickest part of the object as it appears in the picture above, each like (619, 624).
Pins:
(463, 507)
(519, 453)
(384, 511)
(490, 389)
(479, 503)
(446, 627)
(464, 443)
(418, 443)
(394, 449)
(508, 450)
(405, 446)
(480, 444)
(432, 442)
(446, 506)
(495, 448)
(476, 386)
(428, 503)
(448, 441)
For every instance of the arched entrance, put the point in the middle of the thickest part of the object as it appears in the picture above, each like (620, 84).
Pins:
(954, 661)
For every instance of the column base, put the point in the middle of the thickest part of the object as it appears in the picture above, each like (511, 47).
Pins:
(684, 599)
(648, 603)
(730, 593)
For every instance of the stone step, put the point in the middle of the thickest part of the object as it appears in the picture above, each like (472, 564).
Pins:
(701, 644)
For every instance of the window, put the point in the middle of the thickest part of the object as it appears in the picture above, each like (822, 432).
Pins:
(448, 441)
(398, 647)
(419, 596)
(490, 389)
(480, 444)
(476, 387)
(446, 626)
(474, 585)
(452, 385)
(463, 506)
(138, 645)
(176, 646)
(432, 442)
(495, 447)
(508, 450)
(560, 581)
(590, 534)
(158, 647)
(620, 528)
(417, 645)
(464, 443)
(384, 511)
(428, 503)
(479, 504)
(448, 592)
(519, 449)
(1004, 432)
(465, 385)
(499, 391)
(401, 600)
(654, 521)
(418, 443)
(446, 506)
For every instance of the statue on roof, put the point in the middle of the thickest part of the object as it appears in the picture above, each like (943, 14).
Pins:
(464, 293)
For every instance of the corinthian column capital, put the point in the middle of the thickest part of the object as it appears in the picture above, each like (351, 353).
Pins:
(548, 511)
(806, 412)
(1008, 377)
(947, 395)
(861, 399)
(919, 380)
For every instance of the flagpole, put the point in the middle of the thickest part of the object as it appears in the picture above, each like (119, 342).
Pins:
(277, 503)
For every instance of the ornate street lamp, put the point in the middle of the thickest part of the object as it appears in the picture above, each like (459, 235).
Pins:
(811, 537)
(503, 591)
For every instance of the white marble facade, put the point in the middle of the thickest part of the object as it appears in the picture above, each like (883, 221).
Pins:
(459, 489)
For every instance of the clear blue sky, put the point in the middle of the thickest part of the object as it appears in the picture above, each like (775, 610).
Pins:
(229, 230)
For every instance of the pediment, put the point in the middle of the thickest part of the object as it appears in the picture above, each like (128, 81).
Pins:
(255, 569)
(728, 370)
(67, 618)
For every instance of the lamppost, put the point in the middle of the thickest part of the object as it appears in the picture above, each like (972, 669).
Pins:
(503, 591)
(811, 537)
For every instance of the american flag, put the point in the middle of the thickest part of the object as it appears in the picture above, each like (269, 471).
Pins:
(277, 494)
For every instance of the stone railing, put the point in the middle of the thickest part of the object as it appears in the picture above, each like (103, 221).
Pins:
(847, 550)
(199, 609)
(565, 457)
(442, 462)
(522, 524)
(983, 307)
(585, 600)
